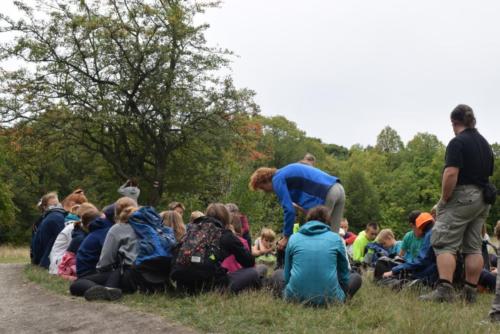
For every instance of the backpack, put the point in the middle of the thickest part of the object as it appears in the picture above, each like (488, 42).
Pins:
(373, 252)
(154, 249)
(201, 243)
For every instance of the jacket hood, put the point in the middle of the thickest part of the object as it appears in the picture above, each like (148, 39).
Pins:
(206, 219)
(314, 227)
(55, 210)
(99, 223)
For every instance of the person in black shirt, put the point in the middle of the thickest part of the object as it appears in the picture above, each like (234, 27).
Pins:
(461, 211)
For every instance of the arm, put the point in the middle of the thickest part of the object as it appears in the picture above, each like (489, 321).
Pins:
(109, 253)
(422, 260)
(342, 264)
(121, 190)
(234, 246)
(281, 190)
(358, 251)
(450, 177)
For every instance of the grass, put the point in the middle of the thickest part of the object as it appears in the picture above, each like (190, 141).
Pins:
(12, 254)
(374, 309)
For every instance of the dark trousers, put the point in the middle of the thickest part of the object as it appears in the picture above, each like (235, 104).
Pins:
(110, 279)
(277, 283)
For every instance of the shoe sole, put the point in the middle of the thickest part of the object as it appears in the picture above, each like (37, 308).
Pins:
(102, 293)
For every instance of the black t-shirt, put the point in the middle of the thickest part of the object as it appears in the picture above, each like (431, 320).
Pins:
(472, 154)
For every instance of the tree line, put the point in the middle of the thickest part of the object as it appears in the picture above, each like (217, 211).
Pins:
(120, 89)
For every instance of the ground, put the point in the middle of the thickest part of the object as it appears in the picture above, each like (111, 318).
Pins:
(374, 310)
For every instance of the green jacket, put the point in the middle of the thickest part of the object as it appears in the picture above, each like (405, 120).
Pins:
(359, 246)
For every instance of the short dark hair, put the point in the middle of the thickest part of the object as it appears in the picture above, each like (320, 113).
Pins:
(464, 115)
(412, 216)
(319, 213)
(373, 225)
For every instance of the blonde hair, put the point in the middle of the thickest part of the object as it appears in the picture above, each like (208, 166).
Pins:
(261, 176)
(89, 215)
(174, 220)
(87, 210)
(219, 212)
(385, 234)
(195, 215)
(120, 206)
(497, 230)
(44, 201)
(267, 234)
(83, 207)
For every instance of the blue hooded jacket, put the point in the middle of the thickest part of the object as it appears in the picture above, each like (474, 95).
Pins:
(302, 184)
(90, 250)
(50, 227)
(315, 265)
(424, 265)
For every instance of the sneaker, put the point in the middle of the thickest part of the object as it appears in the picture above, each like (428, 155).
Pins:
(442, 293)
(469, 294)
(100, 292)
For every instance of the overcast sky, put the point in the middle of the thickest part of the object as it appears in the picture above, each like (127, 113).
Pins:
(343, 70)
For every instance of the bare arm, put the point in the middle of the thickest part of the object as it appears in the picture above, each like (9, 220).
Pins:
(450, 177)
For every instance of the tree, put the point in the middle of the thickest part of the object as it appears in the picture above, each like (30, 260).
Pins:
(389, 141)
(130, 80)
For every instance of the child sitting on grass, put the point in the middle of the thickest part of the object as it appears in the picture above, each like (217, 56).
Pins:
(230, 262)
(174, 220)
(412, 241)
(263, 248)
(385, 245)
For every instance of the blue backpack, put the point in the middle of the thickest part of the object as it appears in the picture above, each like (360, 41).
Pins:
(155, 241)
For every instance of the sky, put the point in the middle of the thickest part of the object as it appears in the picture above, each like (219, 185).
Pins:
(343, 70)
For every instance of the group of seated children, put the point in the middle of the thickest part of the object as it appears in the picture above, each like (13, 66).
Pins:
(125, 248)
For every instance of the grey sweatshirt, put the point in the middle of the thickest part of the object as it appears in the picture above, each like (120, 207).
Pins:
(131, 192)
(120, 247)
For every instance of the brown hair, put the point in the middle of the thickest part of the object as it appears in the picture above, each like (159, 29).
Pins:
(76, 197)
(261, 176)
(267, 234)
(174, 220)
(219, 212)
(124, 207)
(320, 213)
(88, 215)
(236, 223)
(464, 115)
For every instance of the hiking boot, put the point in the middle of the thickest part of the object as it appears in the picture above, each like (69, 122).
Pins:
(469, 294)
(442, 293)
(100, 292)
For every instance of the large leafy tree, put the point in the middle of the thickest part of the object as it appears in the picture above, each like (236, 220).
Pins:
(131, 80)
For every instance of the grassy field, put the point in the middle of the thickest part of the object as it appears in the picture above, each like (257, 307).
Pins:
(374, 310)
(11, 254)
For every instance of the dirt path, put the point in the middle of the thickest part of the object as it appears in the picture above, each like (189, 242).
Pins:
(27, 308)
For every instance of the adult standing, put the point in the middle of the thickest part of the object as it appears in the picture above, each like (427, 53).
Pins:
(130, 189)
(304, 185)
(463, 208)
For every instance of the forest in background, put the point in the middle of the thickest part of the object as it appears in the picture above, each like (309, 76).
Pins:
(124, 89)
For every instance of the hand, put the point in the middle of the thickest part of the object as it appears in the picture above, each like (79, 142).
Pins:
(387, 274)
(282, 243)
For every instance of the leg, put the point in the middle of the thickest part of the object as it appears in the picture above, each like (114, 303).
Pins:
(242, 279)
(473, 267)
(335, 200)
(81, 285)
(277, 282)
(354, 284)
(446, 264)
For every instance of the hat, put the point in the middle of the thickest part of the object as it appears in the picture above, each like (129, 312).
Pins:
(423, 220)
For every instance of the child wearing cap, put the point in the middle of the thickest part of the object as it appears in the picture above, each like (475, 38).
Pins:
(412, 241)
(424, 266)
